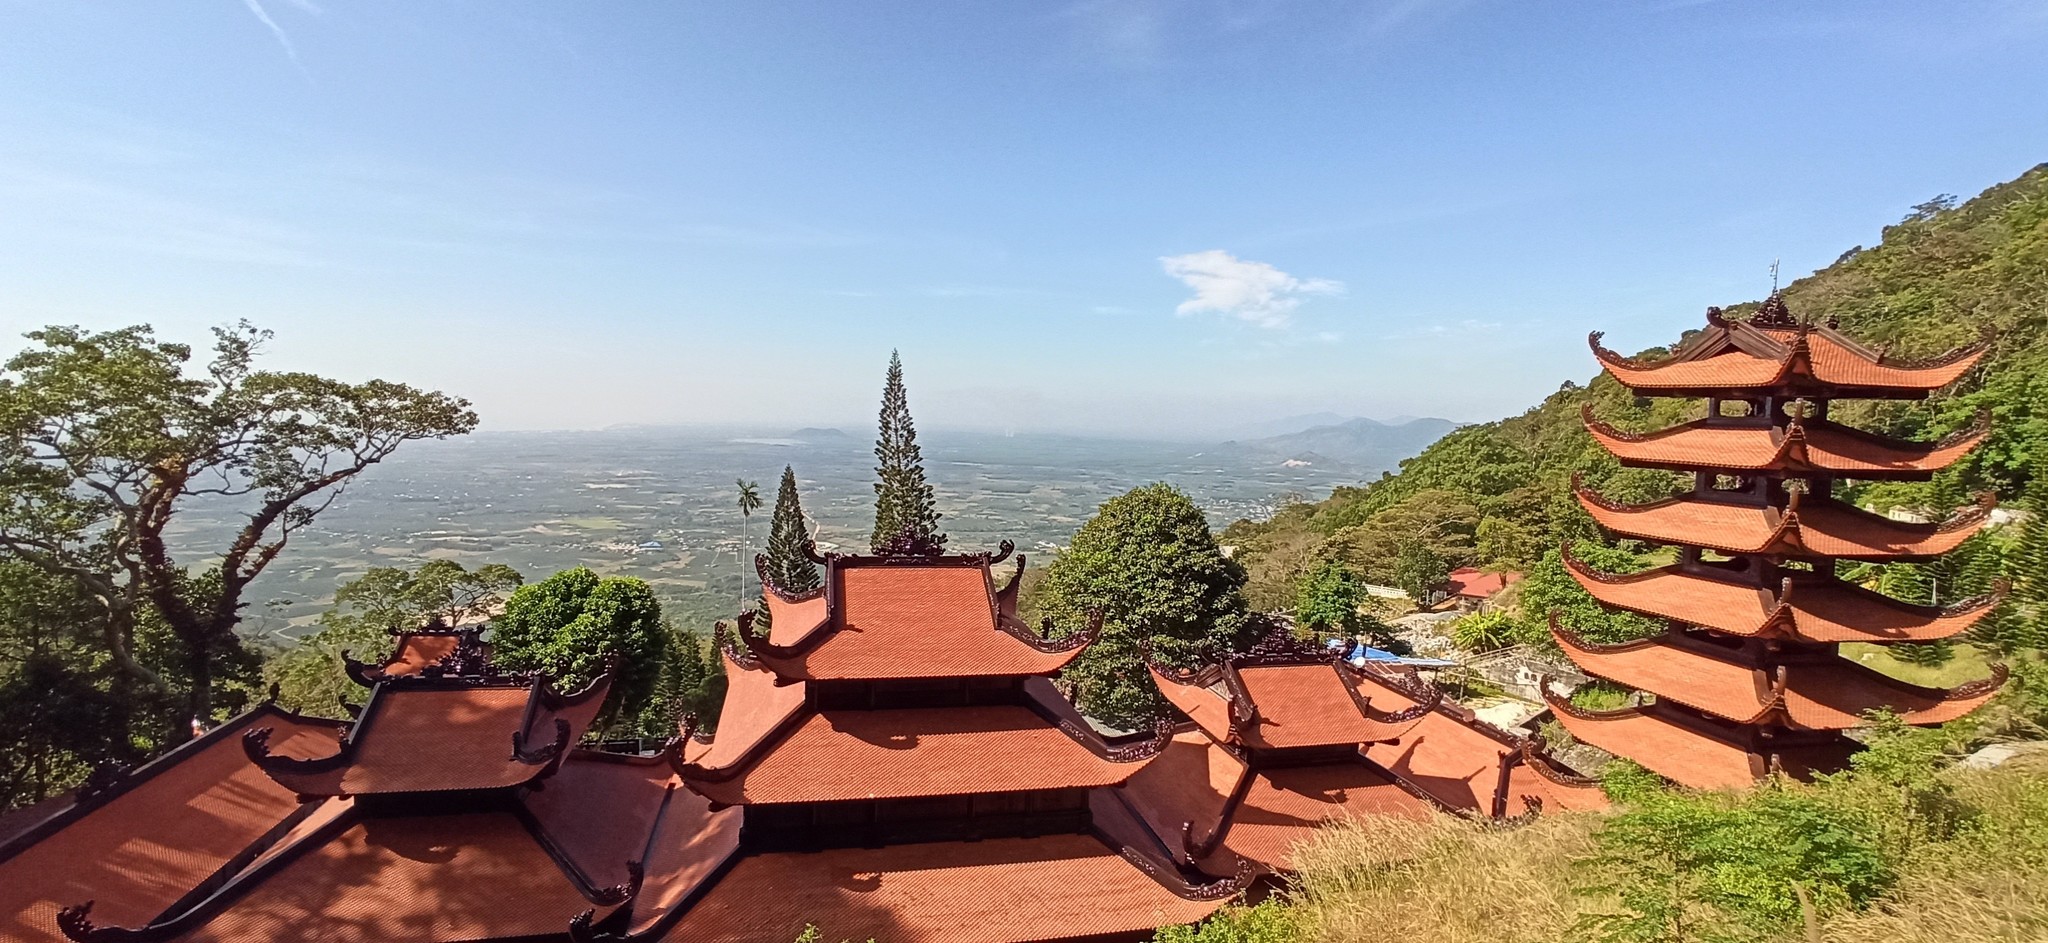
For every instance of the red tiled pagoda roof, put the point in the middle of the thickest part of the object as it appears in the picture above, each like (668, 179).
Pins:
(1816, 611)
(469, 876)
(904, 617)
(1804, 447)
(1820, 527)
(434, 736)
(1007, 890)
(1456, 758)
(173, 823)
(1687, 754)
(902, 753)
(1286, 805)
(1284, 694)
(1773, 352)
(1832, 694)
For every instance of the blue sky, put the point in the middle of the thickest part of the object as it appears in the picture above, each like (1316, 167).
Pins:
(1111, 216)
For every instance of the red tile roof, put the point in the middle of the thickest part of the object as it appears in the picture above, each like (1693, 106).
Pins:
(1678, 753)
(1820, 612)
(1819, 527)
(1188, 783)
(439, 736)
(1285, 807)
(880, 754)
(185, 816)
(1736, 356)
(757, 706)
(1456, 758)
(898, 619)
(416, 651)
(1312, 705)
(1832, 694)
(437, 877)
(1290, 705)
(1054, 887)
(1808, 447)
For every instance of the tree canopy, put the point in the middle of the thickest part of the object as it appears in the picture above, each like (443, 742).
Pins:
(788, 537)
(1149, 564)
(572, 623)
(111, 436)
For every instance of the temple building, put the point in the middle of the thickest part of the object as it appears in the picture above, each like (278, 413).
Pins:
(893, 761)
(1287, 737)
(1749, 678)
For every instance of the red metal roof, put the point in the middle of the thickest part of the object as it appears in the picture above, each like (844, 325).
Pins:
(1819, 612)
(1008, 890)
(1472, 583)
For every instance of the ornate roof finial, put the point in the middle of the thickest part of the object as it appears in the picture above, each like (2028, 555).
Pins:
(1773, 312)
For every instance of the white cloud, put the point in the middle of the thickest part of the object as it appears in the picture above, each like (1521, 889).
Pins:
(1249, 291)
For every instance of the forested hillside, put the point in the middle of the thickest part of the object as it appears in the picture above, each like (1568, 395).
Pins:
(1497, 494)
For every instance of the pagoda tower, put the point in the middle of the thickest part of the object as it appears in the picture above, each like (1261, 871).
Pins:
(1749, 677)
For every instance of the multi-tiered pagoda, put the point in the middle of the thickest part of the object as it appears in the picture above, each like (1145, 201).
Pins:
(1749, 677)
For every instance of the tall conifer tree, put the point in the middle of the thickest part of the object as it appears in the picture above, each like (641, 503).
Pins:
(788, 568)
(906, 515)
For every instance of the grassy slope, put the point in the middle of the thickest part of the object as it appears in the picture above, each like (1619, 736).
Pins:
(1941, 277)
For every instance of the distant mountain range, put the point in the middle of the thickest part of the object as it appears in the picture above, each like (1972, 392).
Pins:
(1365, 444)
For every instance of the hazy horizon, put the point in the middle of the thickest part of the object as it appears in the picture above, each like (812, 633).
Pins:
(1106, 217)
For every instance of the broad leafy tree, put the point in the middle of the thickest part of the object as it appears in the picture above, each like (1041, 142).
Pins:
(63, 711)
(788, 535)
(1149, 563)
(112, 435)
(906, 513)
(570, 624)
(1326, 601)
(367, 610)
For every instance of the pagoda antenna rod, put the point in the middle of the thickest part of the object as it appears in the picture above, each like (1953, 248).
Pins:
(1774, 276)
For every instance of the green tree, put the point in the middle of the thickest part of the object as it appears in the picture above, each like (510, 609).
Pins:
(63, 711)
(571, 623)
(113, 436)
(906, 513)
(2020, 623)
(1149, 564)
(749, 502)
(788, 536)
(1549, 589)
(1326, 601)
(366, 610)
(1419, 570)
(690, 682)
(1506, 545)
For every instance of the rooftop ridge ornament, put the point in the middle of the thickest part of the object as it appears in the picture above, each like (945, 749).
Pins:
(912, 541)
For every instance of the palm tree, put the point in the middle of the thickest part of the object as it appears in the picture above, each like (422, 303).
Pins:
(750, 501)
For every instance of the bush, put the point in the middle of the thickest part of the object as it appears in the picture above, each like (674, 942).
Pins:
(1265, 922)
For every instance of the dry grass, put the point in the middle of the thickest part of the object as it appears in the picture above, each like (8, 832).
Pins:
(1451, 881)
(1444, 880)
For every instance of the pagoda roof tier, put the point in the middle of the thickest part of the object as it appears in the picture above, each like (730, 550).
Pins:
(1806, 527)
(438, 734)
(1827, 694)
(137, 842)
(1774, 354)
(1007, 890)
(914, 752)
(1820, 611)
(905, 616)
(1802, 447)
(1690, 754)
(1456, 758)
(1218, 809)
(1283, 694)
